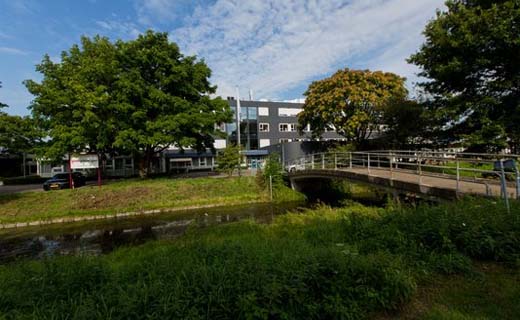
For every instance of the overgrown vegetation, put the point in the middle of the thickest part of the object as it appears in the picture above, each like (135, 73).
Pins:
(132, 195)
(228, 159)
(325, 263)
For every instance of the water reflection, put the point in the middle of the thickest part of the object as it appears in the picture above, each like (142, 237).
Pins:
(95, 238)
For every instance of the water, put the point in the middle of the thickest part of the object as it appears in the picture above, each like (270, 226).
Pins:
(101, 237)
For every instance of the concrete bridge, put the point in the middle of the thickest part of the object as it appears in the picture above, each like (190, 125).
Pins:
(445, 175)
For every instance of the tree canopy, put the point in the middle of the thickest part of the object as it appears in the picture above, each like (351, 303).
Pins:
(17, 134)
(471, 58)
(2, 105)
(131, 97)
(351, 102)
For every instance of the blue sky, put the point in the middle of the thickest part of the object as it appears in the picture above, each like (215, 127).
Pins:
(274, 47)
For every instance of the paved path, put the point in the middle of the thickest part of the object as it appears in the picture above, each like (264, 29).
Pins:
(465, 187)
(385, 177)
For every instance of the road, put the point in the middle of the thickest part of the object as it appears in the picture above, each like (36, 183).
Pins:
(20, 188)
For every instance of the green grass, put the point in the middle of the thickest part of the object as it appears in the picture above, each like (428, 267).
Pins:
(346, 263)
(492, 292)
(132, 195)
(465, 173)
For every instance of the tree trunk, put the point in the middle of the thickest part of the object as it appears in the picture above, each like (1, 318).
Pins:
(144, 163)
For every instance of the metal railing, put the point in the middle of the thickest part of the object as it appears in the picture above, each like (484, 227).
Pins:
(486, 169)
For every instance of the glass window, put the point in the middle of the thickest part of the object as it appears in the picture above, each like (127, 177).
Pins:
(284, 127)
(202, 162)
(243, 113)
(231, 128)
(293, 127)
(252, 113)
(264, 127)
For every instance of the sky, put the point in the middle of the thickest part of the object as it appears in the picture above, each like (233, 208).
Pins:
(275, 48)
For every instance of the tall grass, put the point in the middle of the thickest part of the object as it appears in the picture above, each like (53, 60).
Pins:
(320, 264)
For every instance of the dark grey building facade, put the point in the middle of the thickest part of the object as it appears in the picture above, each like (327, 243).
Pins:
(267, 123)
(264, 125)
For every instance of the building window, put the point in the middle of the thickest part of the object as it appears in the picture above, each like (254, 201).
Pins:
(288, 112)
(288, 127)
(202, 162)
(285, 140)
(264, 127)
(263, 111)
(252, 113)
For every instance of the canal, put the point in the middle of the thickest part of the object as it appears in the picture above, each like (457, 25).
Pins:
(103, 236)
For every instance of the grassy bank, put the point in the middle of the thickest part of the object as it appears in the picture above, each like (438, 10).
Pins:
(134, 195)
(348, 263)
(490, 292)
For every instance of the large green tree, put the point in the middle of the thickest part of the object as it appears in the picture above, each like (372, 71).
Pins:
(164, 97)
(131, 97)
(74, 103)
(351, 102)
(471, 58)
(406, 124)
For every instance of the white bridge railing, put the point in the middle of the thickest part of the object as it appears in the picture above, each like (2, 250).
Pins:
(486, 169)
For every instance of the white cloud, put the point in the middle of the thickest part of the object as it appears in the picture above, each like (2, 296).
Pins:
(14, 51)
(150, 12)
(125, 29)
(275, 46)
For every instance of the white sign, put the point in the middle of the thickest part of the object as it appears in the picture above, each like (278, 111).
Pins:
(84, 161)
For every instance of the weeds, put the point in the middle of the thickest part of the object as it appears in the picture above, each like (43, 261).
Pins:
(320, 264)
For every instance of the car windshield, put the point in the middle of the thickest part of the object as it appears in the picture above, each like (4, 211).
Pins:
(61, 176)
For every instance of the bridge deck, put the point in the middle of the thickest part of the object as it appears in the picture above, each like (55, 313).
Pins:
(465, 187)
(413, 182)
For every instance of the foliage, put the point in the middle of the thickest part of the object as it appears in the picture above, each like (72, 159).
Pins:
(406, 124)
(135, 97)
(228, 159)
(2, 105)
(273, 170)
(341, 148)
(18, 134)
(471, 60)
(320, 264)
(351, 102)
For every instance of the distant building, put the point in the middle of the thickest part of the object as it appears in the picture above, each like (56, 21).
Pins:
(263, 124)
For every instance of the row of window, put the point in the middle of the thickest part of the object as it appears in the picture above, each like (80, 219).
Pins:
(282, 127)
(289, 127)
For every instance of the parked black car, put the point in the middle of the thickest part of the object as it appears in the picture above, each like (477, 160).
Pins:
(61, 181)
